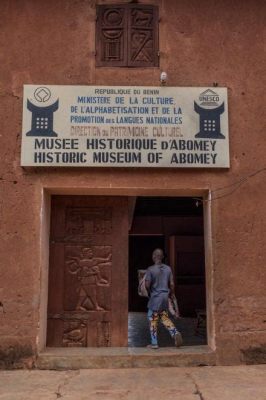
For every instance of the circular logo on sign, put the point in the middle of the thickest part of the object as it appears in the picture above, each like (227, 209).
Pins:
(42, 94)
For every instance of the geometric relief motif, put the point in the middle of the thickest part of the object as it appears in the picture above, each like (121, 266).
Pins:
(142, 46)
(88, 269)
(127, 35)
(74, 333)
(112, 34)
(83, 222)
(104, 334)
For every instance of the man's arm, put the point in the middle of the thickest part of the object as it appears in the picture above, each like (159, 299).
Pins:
(172, 289)
(148, 281)
(171, 284)
(147, 285)
(100, 260)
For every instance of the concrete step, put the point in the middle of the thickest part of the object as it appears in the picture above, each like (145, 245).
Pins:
(132, 357)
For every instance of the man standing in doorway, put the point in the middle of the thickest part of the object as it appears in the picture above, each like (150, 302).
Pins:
(159, 283)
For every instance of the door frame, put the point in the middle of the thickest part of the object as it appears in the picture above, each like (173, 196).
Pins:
(43, 264)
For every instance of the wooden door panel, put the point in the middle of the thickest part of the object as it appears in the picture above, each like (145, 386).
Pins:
(55, 331)
(56, 278)
(87, 302)
(187, 262)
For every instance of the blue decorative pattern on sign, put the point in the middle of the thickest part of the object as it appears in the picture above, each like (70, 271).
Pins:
(42, 120)
(209, 122)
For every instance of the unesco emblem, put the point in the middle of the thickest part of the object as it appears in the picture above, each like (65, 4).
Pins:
(42, 94)
(209, 98)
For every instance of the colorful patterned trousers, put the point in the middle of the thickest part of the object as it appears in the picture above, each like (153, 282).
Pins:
(154, 318)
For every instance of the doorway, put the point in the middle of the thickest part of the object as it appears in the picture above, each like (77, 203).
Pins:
(174, 224)
(93, 280)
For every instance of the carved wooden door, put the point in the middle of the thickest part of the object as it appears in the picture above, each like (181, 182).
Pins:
(88, 273)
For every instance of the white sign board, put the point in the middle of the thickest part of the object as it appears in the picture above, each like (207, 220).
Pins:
(102, 126)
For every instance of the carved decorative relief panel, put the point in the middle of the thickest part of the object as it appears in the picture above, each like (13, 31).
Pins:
(141, 43)
(104, 334)
(127, 35)
(74, 333)
(113, 32)
(82, 223)
(88, 272)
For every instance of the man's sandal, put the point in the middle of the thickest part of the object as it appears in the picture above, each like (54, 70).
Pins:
(152, 346)
(178, 339)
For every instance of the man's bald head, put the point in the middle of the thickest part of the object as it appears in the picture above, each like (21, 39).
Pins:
(157, 256)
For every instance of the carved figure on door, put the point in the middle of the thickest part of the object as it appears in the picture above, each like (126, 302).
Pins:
(88, 271)
(74, 333)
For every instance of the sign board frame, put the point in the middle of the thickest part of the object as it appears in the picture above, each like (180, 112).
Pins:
(111, 126)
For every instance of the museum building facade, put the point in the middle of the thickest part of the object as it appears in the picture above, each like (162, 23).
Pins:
(129, 126)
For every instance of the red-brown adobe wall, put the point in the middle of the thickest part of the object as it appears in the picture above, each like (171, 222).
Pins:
(52, 42)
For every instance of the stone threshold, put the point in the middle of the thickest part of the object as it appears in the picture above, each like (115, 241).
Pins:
(124, 357)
